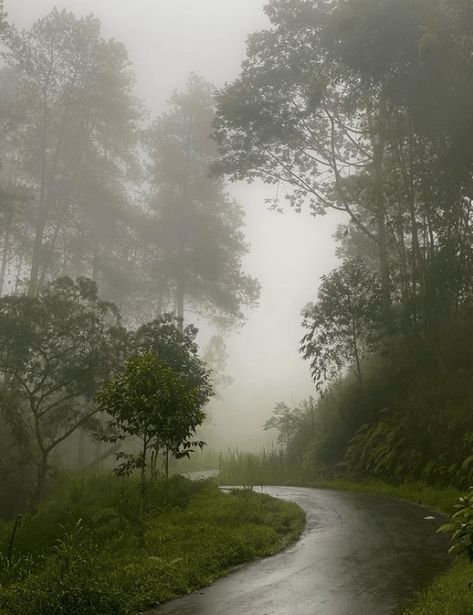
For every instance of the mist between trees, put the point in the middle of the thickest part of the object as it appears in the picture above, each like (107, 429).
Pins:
(93, 189)
(115, 226)
(364, 107)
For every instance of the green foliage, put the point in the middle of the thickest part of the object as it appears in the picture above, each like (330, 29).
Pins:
(450, 594)
(250, 469)
(56, 349)
(286, 421)
(154, 403)
(380, 450)
(81, 552)
(409, 420)
(176, 346)
(343, 324)
(461, 527)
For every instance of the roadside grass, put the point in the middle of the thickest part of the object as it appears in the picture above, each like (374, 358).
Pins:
(441, 499)
(450, 593)
(84, 553)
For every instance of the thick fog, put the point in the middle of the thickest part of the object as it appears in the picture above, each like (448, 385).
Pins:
(166, 41)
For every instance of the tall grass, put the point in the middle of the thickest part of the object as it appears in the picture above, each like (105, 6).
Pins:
(267, 467)
(83, 552)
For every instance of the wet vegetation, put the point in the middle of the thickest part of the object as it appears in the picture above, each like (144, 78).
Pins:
(115, 226)
(86, 552)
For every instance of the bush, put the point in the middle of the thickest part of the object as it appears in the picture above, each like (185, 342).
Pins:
(461, 527)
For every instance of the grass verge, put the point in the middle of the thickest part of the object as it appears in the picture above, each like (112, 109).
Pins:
(84, 553)
(450, 594)
(440, 499)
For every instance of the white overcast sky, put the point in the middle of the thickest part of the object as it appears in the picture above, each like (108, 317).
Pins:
(167, 40)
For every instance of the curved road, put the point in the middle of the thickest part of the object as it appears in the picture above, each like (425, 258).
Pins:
(358, 555)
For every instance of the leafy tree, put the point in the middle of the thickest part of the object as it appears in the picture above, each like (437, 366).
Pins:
(152, 402)
(216, 357)
(342, 324)
(299, 117)
(77, 116)
(175, 346)
(286, 421)
(362, 107)
(56, 350)
(200, 243)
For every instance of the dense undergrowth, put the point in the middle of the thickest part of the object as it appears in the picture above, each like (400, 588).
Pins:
(84, 552)
(409, 420)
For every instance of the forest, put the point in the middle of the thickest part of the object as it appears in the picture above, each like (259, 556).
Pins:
(371, 116)
(119, 229)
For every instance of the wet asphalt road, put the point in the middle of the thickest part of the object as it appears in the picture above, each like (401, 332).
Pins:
(359, 555)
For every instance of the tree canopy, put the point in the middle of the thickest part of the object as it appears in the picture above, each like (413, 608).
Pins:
(347, 114)
(344, 323)
(158, 405)
(200, 258)
(56, 349)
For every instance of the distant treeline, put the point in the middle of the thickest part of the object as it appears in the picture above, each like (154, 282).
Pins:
(91, 186)
(110, 223)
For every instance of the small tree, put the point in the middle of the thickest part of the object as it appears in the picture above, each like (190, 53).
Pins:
(56, 349)
(286, 420)
(341, 324)
(152, 402)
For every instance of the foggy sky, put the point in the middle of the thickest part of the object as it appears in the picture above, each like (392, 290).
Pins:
(166, 40)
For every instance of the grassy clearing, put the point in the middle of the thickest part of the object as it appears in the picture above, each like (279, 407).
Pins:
(84, 552)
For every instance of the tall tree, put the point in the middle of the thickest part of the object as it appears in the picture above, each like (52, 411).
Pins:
(200, 242)
(296, 116)
(349, 105)
(343, 324)
(75, 91)
(56, 350)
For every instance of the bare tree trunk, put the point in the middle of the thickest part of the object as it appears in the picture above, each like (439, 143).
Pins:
(37, 256)
(5, 252)
(40, 477)
(383, 253)
(378, 142)
(143, 491)
(357, 353)
(180, 301)
(81, 448)
(43, 209)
